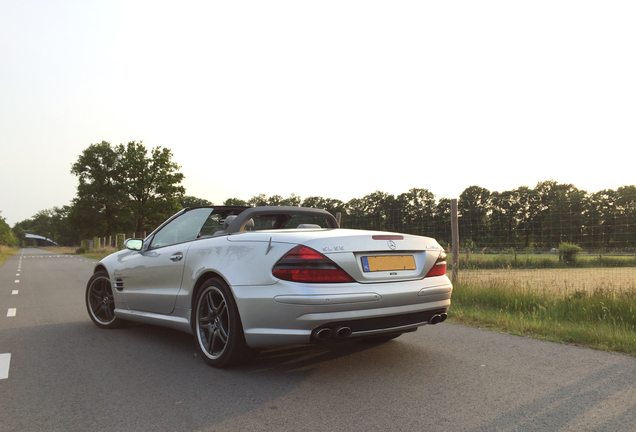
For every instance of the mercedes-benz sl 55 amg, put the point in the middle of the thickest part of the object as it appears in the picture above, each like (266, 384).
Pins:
(240, 279)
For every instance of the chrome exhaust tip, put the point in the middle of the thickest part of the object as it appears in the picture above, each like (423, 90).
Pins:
(343, 332)
(443, 317)
(323, 334)
(435, 319)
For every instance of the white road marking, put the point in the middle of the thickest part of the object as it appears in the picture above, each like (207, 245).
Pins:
(11, 312)
(17, 281)
(14, 292)
(5, 360)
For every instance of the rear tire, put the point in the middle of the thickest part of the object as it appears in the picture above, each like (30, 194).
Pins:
(217, 327)
(100, 302)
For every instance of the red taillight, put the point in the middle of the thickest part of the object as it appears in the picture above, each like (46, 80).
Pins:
(303, 264)
(439, 268)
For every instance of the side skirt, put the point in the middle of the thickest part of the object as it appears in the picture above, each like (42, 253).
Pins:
(178, 321)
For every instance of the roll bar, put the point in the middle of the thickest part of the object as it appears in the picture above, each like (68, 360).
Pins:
(238, 224)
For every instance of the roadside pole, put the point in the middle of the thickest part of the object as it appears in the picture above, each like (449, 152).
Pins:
(455, 240)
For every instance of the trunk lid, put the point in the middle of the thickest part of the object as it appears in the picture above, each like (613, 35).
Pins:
(367, 256)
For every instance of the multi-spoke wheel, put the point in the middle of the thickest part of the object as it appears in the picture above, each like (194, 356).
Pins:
(100, 302)
(217, 326)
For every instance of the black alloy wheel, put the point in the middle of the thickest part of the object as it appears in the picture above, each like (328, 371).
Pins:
(217, 327)
(100, 302)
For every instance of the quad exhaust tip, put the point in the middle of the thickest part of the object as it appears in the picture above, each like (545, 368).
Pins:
(324, 334)
(343, 332)
(327, 333)
(438, 318)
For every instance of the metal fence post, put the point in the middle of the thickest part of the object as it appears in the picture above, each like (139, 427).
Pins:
(455, 240)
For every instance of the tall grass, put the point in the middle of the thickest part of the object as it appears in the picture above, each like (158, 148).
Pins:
(536, 261)
(99, 254)
(600, 319)
(7, 252)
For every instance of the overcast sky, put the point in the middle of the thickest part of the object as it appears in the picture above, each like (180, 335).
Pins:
(330, 98)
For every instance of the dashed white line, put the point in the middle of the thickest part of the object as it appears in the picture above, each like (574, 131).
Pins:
(17, 281)
(5, 360)
(11, 312)
(14, 292)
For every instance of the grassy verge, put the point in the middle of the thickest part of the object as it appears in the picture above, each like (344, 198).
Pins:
(7, 252)
(541, 261)
(59, 249)
(604, 320)
(98, 254)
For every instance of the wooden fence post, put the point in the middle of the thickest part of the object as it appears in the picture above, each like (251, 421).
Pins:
(455, 240)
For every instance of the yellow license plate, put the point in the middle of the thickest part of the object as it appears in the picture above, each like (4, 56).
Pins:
(388, 263)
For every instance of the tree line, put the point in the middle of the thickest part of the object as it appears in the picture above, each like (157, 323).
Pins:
(128, 188)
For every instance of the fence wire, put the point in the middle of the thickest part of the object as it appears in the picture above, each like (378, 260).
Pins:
(525, 253)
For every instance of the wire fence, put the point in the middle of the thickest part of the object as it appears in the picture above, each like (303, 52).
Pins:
(115, 242)
(526, 253)
(513, 252)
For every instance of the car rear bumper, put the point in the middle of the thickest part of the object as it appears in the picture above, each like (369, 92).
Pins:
(291, 313)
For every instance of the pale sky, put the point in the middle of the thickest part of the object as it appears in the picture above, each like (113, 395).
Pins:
(330, 98)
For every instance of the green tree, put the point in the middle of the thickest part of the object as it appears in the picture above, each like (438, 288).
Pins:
(417, 211)
(442, 219)
(190, 201)
(258, 201)
(52, 223)
(123, 188)
(152, 184)
(7, 237)
(561, 212)
(600, 216)
(373, 211)
(100, 206)
(626, 215)
(474, 207)
(235, 202)
(333, 206)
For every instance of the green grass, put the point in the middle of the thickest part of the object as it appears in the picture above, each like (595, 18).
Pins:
(7, 252)
(540, 261)
(95, 254)
(98, 254)
(604, 320)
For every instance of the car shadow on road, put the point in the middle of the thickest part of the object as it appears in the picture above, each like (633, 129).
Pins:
(284, 359)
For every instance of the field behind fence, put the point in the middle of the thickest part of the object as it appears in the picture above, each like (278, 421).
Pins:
(525, 256)
(519, 255)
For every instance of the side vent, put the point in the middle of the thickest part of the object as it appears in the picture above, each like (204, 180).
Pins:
(119, 284)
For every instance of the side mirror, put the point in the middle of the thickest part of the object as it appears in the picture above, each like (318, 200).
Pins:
(134, 244)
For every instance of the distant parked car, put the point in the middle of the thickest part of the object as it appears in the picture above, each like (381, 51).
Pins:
(554, 250)
(240, 279)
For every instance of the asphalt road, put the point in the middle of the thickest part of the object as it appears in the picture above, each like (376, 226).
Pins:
(65, 374)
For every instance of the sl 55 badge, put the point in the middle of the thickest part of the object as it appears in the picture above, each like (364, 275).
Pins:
(332, 249)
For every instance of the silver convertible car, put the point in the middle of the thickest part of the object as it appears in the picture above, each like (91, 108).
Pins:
(243, 278)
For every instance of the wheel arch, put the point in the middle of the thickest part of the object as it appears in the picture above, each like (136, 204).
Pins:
(100, 267)
(210, 274)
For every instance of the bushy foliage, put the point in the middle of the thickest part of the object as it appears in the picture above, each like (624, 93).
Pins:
(569, 252)
(7, 237)
(124, 188)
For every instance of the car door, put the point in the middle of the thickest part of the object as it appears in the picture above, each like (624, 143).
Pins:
(152, 278)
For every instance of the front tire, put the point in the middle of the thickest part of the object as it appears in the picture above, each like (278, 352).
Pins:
(100, 302)
(217, 327)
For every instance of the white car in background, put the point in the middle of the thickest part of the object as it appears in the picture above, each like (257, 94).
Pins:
(241, 279)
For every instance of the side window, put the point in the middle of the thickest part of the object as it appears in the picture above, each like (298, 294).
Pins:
(182, 229)
(213, 224)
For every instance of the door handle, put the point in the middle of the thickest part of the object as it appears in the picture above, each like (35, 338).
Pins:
(176, 257)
